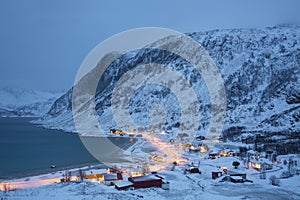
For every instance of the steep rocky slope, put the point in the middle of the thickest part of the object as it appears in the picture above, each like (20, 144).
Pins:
(260, 69)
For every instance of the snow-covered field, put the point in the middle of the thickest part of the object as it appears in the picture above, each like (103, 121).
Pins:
(182, 186)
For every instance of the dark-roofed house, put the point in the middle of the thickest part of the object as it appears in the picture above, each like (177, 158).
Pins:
(146, 181)
(192, 169)
(237, 177)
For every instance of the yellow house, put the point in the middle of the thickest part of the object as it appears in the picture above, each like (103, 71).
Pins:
(96, 177)
(259, 164)
(137, 172)
(116, 132)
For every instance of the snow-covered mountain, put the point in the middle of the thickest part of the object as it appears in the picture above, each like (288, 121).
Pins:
(261, 71)
(23, 102)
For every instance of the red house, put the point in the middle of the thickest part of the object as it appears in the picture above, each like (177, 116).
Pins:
(146, 181)
(216, 174)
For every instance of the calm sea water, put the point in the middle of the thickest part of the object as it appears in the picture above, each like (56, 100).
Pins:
(26, 149)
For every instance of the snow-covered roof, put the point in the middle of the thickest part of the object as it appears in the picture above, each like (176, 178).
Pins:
(110, 177)
(145, 178)
(230, 172)
(217, 170)
(97, 171)
(124, 184)
(251, 151)
(261, 161)
(236, 177)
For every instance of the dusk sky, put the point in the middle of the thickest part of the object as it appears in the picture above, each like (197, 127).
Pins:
(43, 43)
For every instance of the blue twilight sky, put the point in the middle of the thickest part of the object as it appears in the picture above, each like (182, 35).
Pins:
(42, 43)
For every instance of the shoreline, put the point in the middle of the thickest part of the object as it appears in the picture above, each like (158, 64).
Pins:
(22, 175)
(20, 155)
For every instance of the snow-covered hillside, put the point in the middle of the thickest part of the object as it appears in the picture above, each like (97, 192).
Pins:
(260, 69)
(23, 102)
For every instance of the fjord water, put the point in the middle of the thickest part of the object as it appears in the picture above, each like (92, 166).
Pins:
(27, 149)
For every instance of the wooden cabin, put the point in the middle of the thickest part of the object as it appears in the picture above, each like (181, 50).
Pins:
(215, 174)
(146, 181)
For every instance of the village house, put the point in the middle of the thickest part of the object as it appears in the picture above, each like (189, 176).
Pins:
(184, 145)
(109, 175)
(228, 153)
(113, 170)
(111, 179)
(137, 172)
(146, 181)
(198, 145)
(116, 132)
(192, 169)
(96, 175)
(156, 158)
(213, 155)
(216, 174)
(261, 164)
(123, 185)
(253, 154)
(236, 177)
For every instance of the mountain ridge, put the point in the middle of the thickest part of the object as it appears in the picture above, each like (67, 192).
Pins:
(24, 102)
(260, 69)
